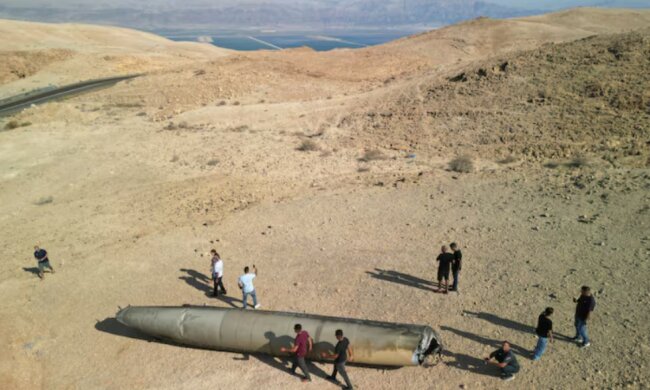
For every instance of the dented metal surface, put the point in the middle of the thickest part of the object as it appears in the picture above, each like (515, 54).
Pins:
(247, 331)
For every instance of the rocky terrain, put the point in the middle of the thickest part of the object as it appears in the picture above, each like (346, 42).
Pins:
(339, 175)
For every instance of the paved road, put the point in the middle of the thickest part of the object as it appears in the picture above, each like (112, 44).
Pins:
(17, 103)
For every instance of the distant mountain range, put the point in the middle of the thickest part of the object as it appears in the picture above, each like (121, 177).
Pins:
(152, 14)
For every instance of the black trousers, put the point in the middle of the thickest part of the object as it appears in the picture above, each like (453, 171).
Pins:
(218, 283)
(299, 361)
(339, 368)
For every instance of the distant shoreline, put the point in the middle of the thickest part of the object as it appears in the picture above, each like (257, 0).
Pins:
(280, 39)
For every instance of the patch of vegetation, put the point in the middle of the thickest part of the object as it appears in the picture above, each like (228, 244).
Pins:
(508, 160)
(363, 169)
(212, 162)
(372, 155)
(308, 146)
(578, 162)
(174, 159)
(44, 200)
(14, 124)
(462, 164)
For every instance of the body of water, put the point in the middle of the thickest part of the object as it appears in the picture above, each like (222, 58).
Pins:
(320, 41)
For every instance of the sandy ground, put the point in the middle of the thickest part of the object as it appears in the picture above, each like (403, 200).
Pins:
(129, 188)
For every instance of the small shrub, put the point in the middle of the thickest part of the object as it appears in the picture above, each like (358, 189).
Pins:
(221, 103)
(44, 200)
(578, 162)
(212, 162)
(508, 160)
(174, 159)
(363, 169)
(308, 146)
(12, 125)
(235, 103)
(372, 155)
(462, 164)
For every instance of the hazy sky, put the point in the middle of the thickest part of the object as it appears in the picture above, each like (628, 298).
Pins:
(528, 4)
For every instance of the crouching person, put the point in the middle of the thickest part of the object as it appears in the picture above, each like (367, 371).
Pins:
(506, 360)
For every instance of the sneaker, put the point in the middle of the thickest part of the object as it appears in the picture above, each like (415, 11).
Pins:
(577, 339)
(507, 378)
(585, 345)
(258, 306)
(330, 378)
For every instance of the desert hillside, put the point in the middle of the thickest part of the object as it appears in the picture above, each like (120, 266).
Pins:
(337, 174)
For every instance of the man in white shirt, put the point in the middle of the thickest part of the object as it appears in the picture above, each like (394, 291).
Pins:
(246, 285)
(217, 274)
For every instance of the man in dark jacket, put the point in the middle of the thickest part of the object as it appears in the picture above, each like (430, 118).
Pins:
(505, 360)
(585, 304)
(544, 333)
(342, 353)
(444, 260)
(457, 265)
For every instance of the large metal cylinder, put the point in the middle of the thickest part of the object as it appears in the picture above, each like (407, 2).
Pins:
(248, 331)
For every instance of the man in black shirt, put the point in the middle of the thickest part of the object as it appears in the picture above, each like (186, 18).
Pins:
(506, 360)
(43, 261)
(342, 353)
(544, 333)
(456, 265)
(585, 304)
(444, 260)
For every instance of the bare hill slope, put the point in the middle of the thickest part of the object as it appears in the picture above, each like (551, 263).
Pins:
(557, 101)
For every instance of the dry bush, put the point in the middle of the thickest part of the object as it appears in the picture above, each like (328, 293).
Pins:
(44, 200)
(12, 125)
(462, 164)
(578, 162)
(212, 162)
(308, 146)
(363, 169)
(508, 160)
(221, 103)
(372, 155)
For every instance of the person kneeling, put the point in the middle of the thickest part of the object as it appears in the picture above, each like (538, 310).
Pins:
(506, 360)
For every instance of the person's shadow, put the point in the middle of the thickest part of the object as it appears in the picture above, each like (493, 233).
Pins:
(31, 270)
(202, 283)
(402, 278)
(470, 363)
(510, 324)
(519, 350)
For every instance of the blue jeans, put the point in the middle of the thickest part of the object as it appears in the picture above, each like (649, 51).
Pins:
(455, 285)
(581, 330)
(252, 293)
(540, 348)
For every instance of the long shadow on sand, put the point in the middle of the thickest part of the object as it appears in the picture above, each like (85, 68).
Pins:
(519, 350)
(31, 270)
(510, 324)
(202, 283)
(471, 364)
(402, 278)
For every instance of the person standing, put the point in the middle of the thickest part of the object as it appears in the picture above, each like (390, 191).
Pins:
(505, 360)
(544, 332)
(247, 287)
(302, 346)
(342, 353)
(456, 266)
(444, 260)
(217, 274)
(42, 261)
(585, 304)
